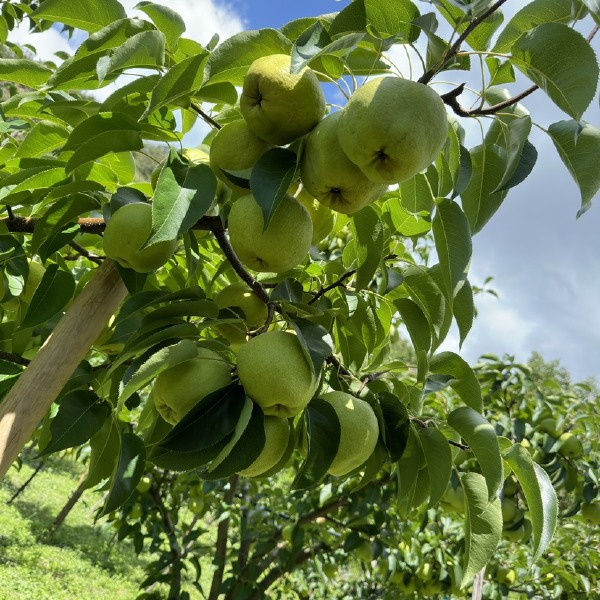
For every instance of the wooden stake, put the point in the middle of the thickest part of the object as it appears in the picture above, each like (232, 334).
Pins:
(32, 395)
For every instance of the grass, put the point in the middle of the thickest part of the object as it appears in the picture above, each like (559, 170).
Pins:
(79, 561)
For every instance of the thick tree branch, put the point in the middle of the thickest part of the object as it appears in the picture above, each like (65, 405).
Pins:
(455, 48)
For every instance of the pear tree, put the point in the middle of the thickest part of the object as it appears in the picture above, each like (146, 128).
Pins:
(348, 221)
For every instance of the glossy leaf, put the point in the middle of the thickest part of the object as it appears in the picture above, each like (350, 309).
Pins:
(162, 360)
(438, 457)
(578, 145)
(270, 179)
(80, 416)
(539, 494)
(464, 310)
(453, 244)
(53, 293)
(571, 81)
(480, 436)
(165, 19)
(368, 231)
(323, 440)
(464, 381)
(483, 525)
(316, 342)
(416, 324)
(183, 194)
(231, 59)
(128, 472)
(85, 14)
(530, 16)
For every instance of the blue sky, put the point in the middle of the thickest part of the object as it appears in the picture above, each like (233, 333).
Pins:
(545, 263)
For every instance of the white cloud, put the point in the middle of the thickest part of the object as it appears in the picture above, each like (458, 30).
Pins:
(46, 43)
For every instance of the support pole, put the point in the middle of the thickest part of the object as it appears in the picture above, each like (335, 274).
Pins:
(29, 400)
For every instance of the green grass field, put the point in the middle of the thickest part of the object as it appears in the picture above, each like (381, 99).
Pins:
(80, 561)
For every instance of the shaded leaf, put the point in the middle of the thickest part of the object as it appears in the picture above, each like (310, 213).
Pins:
(316, 342)
(539, 494)
(396, 425)
(480, 435)
(104, 451)
(483, 525)
(438, 457)
(368, 234)
(464, 381)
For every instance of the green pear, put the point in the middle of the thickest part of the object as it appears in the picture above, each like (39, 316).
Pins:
(329, 175)
(278, 248)
(549, 426)
(280, 106)
(177, 389)
(510, 511)
(359, 431)
(322, 217)
(506, 575)
(393, 128)
(254, 309)
(276, 374)
(591, 512)
(127, 232)
(235, 148)
(570, 445)
(277, 435)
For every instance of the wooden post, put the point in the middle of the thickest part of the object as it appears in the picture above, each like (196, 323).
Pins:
(29, 400)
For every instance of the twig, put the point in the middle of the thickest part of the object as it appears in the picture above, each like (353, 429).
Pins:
(221, 237)
(337, 365)
(453, 50)
(81, 250)
(204, 116)
(337, 283)
(451, 100)
(27, 482)
(14, 358)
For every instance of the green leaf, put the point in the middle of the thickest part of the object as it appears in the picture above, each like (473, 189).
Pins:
(368, 233)
(480, 435)
(479, 200)
(88, 15)
(164, 359)
(578, 145)
(438, 457)
(594, 7)
(104, 451)
(128, 472)
(406, 223)
(396, 425)
(53, 293)
(530, 16)
(323, 440)
(23, 71)
(101, 134)
(245, 446)
(516, 134)
(184, 192)
(464, 381)
(231, 59)
(416, 323)
(453, 244)
(271, 177)
(408, 468)
(178, 84)
(80, 416)
(483, 525)
(539, 494)
(424, 290)
(316, 342)
(143, 50)
(464, 310)
(416, 195)
(203, 432)
(43, 138)
(571, 81)
(165, 19)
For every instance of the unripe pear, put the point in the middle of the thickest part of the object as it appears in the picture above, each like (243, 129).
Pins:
(359, 431)
(254, 309)
(322, 217)
(278, 248)
(570, 446)
(277, 435)
(591, 512)
(329, 175)
(125, 235)
(280, 106)
(179, 388)
(235, 148)
(276, 374)
(393, 128)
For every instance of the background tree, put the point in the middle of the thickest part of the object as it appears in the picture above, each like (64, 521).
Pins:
(68, 168)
